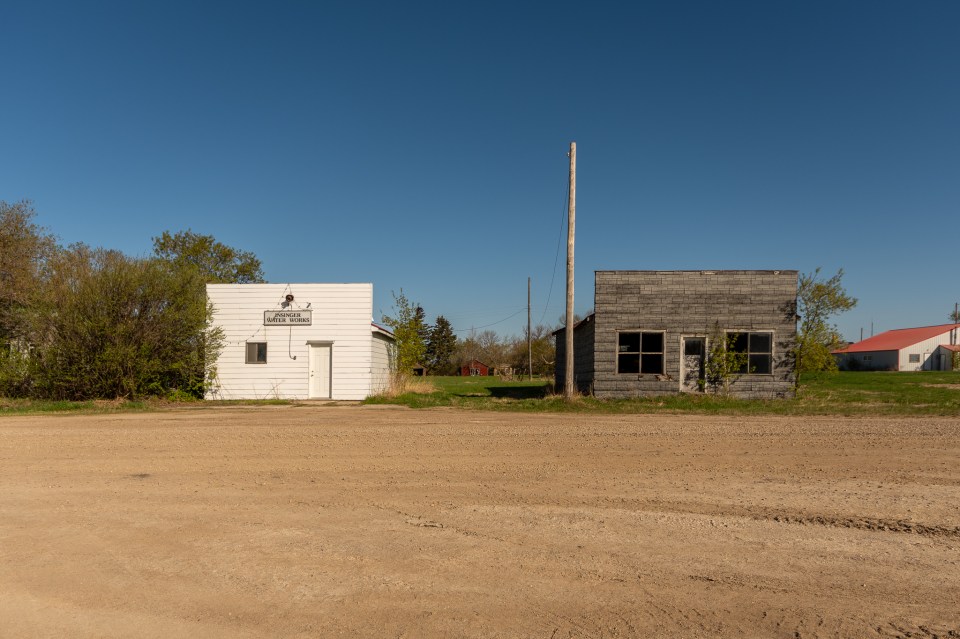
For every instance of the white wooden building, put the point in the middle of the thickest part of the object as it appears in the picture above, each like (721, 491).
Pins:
(298, 341)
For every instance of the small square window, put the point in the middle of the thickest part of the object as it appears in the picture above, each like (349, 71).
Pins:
(693, 347)
(651, 363)
(740, 342)
(629, 343)
(914, 358)
(256, 352)
(652, 342)
(760, 342)
(760, 364)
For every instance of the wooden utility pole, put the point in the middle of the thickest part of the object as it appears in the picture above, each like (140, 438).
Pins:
(569, 388)
(529, 336)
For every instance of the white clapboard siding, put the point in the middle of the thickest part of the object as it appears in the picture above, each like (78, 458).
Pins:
(341, 317)
(382, 349)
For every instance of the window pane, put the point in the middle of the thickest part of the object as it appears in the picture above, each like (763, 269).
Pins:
(629, 343)
(760, 342)
(760, 364)
(693, 347)
(628, 363)
(740, 342)
(256, 353)
(652, 364)
(652, 342)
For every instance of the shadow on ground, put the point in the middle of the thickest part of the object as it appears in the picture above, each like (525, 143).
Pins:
(518, 392)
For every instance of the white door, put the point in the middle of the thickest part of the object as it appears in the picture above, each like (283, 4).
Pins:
(319, 371)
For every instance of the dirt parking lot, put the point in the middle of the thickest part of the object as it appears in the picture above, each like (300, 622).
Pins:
(320, 521)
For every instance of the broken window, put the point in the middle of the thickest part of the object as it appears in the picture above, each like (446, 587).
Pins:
(640, 352)
(256, 352)
(693, 346)
(759, 350)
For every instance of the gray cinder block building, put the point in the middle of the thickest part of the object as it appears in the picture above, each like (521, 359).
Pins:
(651, 333)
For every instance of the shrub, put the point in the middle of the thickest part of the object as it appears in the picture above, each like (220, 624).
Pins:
(105, 325)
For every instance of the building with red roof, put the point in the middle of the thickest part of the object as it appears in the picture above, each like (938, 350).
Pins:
(928, 348)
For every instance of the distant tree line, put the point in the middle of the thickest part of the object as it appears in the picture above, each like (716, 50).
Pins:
(78, 322)
(437, 349)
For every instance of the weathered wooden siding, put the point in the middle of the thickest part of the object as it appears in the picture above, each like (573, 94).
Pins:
(341, 317)
(583, 373)
(681, 303)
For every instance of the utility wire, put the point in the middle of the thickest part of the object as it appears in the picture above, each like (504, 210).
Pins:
(556, 258)
(473, 328)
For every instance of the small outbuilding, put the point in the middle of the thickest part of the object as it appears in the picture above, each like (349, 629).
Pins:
(474, 368)
(652, 331)
(927, 348)
(298, 341)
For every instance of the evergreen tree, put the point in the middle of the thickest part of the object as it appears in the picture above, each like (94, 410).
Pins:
(441, 344)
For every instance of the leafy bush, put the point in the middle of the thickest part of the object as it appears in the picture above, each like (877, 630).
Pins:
(15, 377)
(104, 325)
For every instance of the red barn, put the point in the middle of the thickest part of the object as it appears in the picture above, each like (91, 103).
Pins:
(475, 368)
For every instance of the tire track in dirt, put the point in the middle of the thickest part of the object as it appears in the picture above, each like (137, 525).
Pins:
(916, 631)
(872, 524)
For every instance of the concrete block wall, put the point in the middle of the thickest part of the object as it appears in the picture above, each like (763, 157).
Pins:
(687, 303)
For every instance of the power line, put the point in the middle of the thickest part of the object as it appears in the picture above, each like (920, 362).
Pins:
(556, 258)
(473, 328)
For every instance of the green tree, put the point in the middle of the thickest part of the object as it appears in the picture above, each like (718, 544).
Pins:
(216, 262)
(408, 329)
(542, 349)
(421, 319)
(24, 250)
(441, 344)
(491, 350)
(104, 325)
(724, 361)
(818, 300)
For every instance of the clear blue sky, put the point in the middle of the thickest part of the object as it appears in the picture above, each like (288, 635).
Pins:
(423, 146)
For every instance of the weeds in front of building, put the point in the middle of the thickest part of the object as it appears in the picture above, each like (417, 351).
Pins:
(827, 393)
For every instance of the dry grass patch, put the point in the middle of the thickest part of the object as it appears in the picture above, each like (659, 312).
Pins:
(408, 384)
